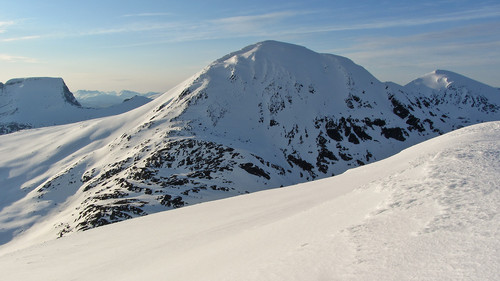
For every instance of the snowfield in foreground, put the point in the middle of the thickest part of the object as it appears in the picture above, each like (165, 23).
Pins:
(427, 213)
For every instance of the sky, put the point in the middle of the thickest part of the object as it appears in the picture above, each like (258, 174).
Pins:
(147, 45)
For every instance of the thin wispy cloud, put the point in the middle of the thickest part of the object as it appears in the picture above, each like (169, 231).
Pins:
(274, 25)
(459, 36)
(128, 28)
(260, 25)
(407, 53)
(256, 23)
(193, 30)
(4, 25)
(225, 27)
(146, 15)
(255, 18)
(22, 38)
(10, 58)
(480, 13)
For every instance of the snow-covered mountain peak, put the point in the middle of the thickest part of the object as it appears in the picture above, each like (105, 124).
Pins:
(39, 91)
(440, 80)
(281, 78)
(294, 58)
(443, 86)
(273, 95)
(266, 48)
(437, 80)
(36, 101)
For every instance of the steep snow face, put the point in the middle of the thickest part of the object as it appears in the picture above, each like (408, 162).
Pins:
(430, 212)
(269, 115)
(43, 101)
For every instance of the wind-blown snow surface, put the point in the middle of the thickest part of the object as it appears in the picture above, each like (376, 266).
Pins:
(270, 115)
(427, 213)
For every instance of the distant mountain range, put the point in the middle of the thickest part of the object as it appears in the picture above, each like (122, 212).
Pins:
(100, 99)
(272, 114)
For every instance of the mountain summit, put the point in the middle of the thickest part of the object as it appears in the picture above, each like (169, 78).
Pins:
(270, 115)
(35, 102)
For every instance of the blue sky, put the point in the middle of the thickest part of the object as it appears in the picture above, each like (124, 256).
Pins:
(154, 45)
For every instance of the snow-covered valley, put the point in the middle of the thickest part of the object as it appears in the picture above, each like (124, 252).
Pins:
(427, 213)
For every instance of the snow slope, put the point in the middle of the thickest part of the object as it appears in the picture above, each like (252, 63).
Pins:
(43, 101)
(270, 115)
(427, 213)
